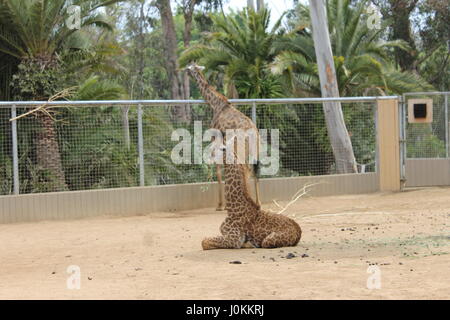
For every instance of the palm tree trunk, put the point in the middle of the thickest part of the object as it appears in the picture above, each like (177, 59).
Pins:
(38, 79)
(401, 29)
(48, 155)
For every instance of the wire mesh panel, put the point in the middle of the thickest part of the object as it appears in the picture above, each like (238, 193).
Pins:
(78, 148)
(88, 146)
(6, 170)
(159, 125)
(305, 147)
(429, 140)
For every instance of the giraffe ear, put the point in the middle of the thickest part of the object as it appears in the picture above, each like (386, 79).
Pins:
(201, 68)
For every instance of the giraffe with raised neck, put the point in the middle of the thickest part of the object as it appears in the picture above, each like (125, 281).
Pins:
(246, 222)
(225, 117)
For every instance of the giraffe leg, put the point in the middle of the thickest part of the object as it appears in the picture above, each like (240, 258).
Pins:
(220, 205)
(223, 242)
(278, 240)
(257, 199)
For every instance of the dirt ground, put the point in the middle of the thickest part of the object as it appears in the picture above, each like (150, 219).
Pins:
(406, 235)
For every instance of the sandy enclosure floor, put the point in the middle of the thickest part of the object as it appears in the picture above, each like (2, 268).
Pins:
(407, 235)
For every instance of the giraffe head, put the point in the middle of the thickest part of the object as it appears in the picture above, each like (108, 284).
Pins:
(216, 100)
(194, 68)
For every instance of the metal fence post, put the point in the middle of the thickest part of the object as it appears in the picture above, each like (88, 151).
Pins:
(377, 149)
(254, 112)
(141, 148)
(447, 136)
(402, 134)
(15, 153)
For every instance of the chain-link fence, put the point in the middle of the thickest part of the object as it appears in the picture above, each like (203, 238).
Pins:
(428, 140)
(102, 145)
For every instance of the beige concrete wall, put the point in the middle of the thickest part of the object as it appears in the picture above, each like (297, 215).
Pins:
(427, 172)
(145, 200)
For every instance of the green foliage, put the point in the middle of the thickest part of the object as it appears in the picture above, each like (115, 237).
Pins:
(35, 36)
(240, 47)
(95, 89)
(362, 57)
(436, 68)
(38, 27)
(422, 143)
(94, 150)
(33, 82)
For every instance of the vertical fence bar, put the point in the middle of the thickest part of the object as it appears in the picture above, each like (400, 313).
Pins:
(402, 135)
(15, 153)
(377, 148)
(447, 136)
(141, 148)
(254, 113)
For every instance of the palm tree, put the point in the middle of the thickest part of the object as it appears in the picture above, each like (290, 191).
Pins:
(34, 34)
(362, 58)
(241, 49)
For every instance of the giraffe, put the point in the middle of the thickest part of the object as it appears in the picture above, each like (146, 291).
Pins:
(246, 222)
(225, 117)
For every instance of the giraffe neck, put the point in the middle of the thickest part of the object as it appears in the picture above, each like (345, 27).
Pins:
(216, 100)
(237, 195)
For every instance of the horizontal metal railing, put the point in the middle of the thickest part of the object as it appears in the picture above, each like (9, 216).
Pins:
(8, 104)
(431, 93)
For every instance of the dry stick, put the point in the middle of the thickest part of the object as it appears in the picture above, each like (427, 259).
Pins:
(62, 94)
(300, 193)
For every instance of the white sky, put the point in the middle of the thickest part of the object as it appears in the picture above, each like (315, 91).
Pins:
(277, 7)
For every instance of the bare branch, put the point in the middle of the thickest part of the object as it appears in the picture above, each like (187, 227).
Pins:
(300, 193)
(43, 108)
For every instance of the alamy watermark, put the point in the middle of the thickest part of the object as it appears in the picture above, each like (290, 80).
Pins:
(238, 146)
(374, 280)
(374, 19)
(73, 21)
(74, 280)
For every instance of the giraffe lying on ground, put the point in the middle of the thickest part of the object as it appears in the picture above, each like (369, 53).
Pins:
(246, 222)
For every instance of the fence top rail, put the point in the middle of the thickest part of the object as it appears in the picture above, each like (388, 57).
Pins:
(432, 93)
(9, 104)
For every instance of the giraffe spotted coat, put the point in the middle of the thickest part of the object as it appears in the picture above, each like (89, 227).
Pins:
(246, 222)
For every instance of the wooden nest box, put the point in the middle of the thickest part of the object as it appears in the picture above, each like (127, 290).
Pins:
(420, 111)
